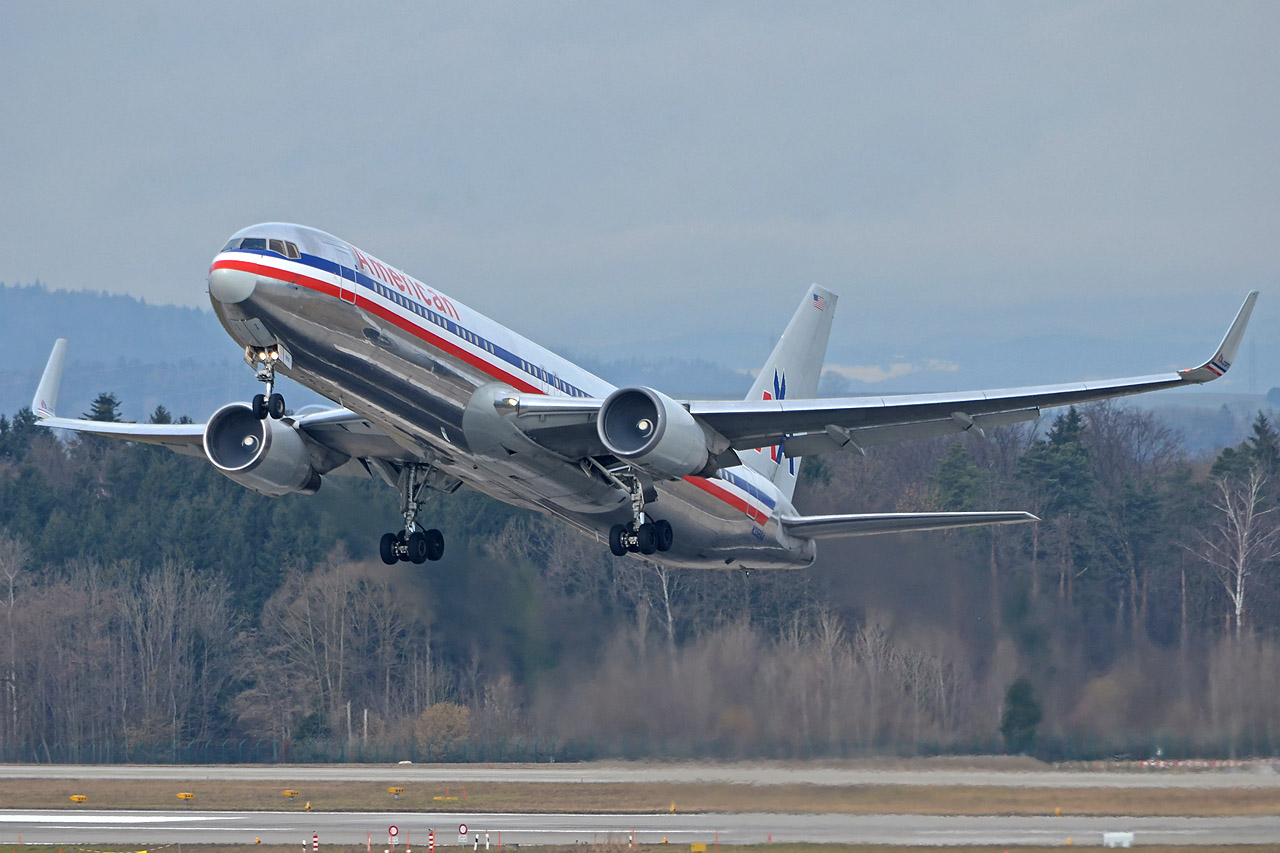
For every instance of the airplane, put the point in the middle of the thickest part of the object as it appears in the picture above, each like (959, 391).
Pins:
(431, 395)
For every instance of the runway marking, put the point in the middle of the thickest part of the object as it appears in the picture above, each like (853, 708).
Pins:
(110, 819)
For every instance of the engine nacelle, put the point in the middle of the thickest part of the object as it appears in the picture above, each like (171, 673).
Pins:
(653, 432)
(268, 456)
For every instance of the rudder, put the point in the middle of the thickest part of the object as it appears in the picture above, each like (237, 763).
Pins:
(792, 373)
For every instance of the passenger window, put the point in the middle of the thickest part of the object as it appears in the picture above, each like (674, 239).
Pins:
(253, 243)
(277, 246)
(291, 251)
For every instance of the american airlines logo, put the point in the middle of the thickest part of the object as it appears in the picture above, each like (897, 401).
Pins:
(780, 393)
(406, 284)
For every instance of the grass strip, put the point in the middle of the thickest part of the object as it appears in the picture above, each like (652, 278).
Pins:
(638, 798)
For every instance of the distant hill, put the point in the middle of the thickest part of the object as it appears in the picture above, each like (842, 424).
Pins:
(144, 354)
(180, 357)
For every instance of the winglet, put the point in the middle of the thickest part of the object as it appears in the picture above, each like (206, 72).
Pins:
(1226, 353)
(46, 400)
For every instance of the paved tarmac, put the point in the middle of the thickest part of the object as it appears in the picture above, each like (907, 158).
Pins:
(183, 826)
(1259, 776)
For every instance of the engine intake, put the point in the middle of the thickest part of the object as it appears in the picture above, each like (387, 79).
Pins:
(653, 432)
(269, 456)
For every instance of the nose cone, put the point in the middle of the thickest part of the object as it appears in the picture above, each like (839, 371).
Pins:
(230, 285)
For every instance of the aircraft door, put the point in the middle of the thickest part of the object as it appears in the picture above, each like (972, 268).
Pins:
(348, 285)
(346, 261)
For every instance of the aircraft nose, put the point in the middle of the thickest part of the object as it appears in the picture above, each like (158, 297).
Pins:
(230, 285)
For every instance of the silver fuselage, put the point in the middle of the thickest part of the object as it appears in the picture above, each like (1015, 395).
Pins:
(426, 370)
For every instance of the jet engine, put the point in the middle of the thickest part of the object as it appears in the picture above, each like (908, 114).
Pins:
(653, 432)
(269, 456)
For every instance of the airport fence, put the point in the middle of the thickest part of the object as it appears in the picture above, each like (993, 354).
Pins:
(1048, 747)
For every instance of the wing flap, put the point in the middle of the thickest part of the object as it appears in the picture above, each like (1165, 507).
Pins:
(184, 438)
(835, 438)
(868, 524)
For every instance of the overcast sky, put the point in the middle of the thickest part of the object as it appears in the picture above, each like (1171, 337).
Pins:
(636, 176)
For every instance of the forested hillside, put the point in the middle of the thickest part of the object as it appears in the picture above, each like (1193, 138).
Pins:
(146, 599)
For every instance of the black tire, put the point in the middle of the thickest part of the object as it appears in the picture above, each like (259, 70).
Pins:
(259, 406)
(387, 549)
(275, 406)
(646, 542)
(417, 547)
(435, 545)
(663, 535)
(615, 540)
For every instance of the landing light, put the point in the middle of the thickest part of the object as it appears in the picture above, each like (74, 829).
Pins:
(275, 354)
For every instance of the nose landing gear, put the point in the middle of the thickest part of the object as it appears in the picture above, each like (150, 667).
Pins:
(264, 360)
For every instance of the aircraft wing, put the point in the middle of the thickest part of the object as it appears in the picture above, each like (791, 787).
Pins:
(866, 524)
(808, 427)
(816, 426)
(340, 430)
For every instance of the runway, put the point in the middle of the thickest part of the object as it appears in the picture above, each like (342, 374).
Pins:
(1264, 776)
(188, 827)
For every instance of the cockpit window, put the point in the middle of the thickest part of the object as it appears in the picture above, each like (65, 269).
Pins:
(280, 247)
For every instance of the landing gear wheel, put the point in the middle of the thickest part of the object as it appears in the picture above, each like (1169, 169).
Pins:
(646, 543)
(616, 545)
(416, 550)
(259, 406)
(275, 406)
(435, 545)
(663, 535)
(387, 549)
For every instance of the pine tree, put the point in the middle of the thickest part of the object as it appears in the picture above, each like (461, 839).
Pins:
(1260, 450)
(105, 407)
(958, 480)
(1021, 716)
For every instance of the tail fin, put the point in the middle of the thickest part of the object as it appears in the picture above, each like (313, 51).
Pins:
(792, 373)
(45, 403)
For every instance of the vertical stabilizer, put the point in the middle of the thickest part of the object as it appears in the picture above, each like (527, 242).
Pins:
(45, 403)
(792, 373)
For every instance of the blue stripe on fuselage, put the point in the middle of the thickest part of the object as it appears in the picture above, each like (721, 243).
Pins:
(433, 317)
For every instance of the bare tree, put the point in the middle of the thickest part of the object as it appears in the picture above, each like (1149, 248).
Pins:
(13, 561)
(1242, 539)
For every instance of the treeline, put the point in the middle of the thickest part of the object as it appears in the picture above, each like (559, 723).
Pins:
(147, 599)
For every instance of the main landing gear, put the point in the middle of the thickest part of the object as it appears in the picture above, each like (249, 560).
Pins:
(412, 545)
(641, 535)
(270, 404)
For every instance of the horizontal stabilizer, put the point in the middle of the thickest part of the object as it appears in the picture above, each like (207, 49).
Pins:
(867, 524)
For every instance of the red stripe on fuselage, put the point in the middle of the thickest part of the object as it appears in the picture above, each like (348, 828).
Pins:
(717, 491)
(328, 289)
